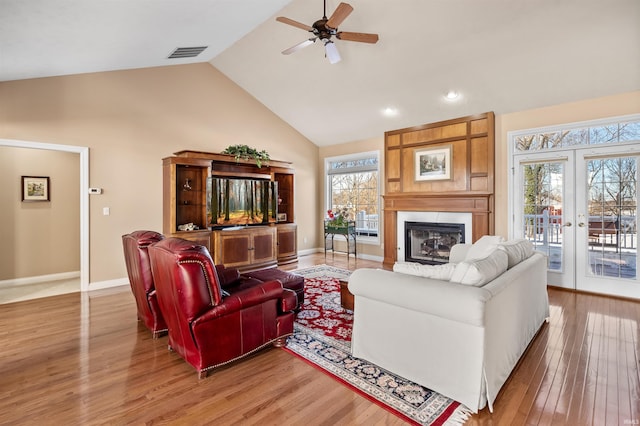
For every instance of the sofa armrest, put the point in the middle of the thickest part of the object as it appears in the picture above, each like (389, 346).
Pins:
(458, 253)
(453, 301)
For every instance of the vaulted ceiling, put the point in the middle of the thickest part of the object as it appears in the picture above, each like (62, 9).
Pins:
(500, 55)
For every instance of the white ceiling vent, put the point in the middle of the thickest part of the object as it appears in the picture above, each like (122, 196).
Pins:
(186, 52)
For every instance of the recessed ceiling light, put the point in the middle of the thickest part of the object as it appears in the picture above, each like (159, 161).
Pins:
(452, 95)
(390, 111)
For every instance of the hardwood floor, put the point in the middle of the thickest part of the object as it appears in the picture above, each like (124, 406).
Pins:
(84, 359)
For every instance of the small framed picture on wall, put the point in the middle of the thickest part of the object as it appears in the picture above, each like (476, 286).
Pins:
(36, 188)
(433, 164)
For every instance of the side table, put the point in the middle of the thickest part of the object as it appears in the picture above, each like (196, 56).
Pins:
(346, 298)
(348, 231)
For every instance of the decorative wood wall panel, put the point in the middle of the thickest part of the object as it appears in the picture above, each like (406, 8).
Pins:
(469, 188)
(393, 166)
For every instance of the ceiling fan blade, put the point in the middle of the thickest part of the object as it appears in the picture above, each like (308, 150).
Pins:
(342, 11)
(299, 46)
(294, 23)
(360, 37)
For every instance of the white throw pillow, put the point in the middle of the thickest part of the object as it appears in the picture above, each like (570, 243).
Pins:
(517, 250)
(480, 271)
(483, 247)
(438, 272)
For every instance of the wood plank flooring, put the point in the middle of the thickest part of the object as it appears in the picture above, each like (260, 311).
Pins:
(84, 359)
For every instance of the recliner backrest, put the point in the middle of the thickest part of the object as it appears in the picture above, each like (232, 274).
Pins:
(138, 265)
(193, 287)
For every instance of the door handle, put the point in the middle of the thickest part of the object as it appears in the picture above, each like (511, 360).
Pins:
(568, 225)
(581, 224)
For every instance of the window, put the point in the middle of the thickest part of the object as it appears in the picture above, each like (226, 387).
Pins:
(353, 184)
(579, 135)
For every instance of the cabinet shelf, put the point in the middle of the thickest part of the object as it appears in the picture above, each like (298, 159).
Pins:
(184, 187)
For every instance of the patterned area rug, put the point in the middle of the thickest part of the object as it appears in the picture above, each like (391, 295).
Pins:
(322, 336)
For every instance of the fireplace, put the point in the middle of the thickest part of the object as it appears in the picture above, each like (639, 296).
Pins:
(430, 242)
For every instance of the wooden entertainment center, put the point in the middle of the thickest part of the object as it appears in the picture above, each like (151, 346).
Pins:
(187, 190)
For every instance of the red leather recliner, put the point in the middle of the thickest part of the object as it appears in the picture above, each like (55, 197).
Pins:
(209, 327)
(136, 257)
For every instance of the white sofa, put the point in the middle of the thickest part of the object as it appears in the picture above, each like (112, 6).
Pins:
(459, 340)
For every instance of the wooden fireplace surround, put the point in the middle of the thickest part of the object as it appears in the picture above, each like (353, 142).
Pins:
(470, 188)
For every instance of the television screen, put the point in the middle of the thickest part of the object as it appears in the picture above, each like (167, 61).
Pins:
(236, 201)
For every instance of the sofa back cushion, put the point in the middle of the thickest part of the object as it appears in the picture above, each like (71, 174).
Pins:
(478, 272)
(516, 250)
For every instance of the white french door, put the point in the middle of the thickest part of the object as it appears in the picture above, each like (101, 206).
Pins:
(607, 218)
(579, 207)
(544, 210)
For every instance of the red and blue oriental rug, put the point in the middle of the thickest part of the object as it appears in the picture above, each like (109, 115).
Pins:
(322, 336)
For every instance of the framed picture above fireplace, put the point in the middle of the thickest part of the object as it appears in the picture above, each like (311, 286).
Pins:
(433, 163)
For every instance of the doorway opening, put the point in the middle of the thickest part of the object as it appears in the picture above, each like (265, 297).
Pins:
(83, 193)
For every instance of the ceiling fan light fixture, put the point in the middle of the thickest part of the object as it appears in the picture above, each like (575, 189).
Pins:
(331, 51)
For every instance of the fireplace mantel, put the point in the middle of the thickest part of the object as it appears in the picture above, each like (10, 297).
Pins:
(445, 203)
(469, 189)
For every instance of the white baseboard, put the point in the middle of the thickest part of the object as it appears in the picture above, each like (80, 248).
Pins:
(370, 257)
(101, 285)
(309, 251)
(15, 282)
(321, 250)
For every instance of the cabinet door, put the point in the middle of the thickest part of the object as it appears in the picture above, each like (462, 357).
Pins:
(232, 249)
(264, 246)
(287, 243)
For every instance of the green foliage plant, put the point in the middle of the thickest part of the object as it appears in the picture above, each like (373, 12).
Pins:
(247, 153)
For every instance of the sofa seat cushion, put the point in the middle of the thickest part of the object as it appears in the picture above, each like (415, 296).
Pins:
(478, 272)
(516, 250)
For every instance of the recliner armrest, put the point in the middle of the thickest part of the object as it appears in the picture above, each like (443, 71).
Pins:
(243, 299)
(227, 276)
(289, 301)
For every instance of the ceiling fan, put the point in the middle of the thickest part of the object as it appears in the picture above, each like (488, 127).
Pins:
(324, 29)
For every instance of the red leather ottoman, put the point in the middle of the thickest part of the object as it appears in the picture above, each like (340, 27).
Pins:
(289, 280)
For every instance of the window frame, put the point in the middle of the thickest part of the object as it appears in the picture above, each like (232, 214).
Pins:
(327, 190)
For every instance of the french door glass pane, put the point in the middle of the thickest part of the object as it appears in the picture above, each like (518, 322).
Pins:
(543, 198)
(613, 211)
